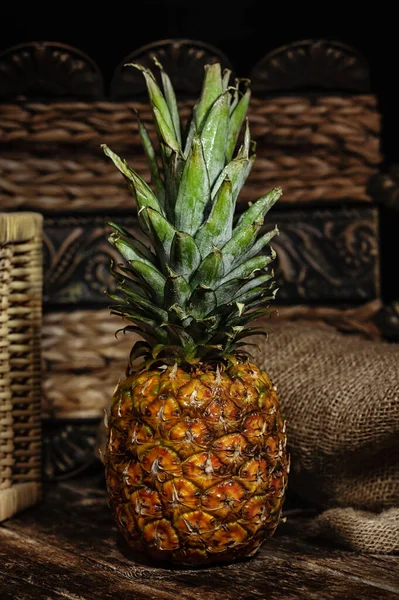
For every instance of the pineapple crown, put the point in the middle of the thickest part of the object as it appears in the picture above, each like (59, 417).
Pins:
(205, 275)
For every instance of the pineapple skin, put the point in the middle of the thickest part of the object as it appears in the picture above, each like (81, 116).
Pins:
(196, 463)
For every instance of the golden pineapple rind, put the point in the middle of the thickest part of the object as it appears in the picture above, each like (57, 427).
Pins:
(196, 464)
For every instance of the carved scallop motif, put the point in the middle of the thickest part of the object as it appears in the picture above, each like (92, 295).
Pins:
(48, 69)
(312, 65)
(183, 60)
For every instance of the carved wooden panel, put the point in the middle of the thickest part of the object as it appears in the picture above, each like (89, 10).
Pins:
(312, 65)
(323, 255)
(76, 260)
(384, 187)
(68, 446)
(183, 60)
(327, 255)
(48, 69)
(52, 68)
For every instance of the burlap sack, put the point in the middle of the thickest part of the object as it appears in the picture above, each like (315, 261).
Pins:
(340, 396)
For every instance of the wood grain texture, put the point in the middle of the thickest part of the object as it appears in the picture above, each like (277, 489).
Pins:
(69, 548)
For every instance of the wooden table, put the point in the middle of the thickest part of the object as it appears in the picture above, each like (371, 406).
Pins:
(68, 548)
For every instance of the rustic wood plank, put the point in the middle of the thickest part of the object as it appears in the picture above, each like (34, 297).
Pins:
(108, 548)
(293, 539)
(73, 576)
(12, 588)
(73, 531)
(66, 573)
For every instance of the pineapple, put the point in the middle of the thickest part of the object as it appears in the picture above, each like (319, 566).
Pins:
(196, 463)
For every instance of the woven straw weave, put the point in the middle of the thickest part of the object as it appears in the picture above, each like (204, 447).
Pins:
(318, 149)
(20, 330)
(83, 360)
(340, 396)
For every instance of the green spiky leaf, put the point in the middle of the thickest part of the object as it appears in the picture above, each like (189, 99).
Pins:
(184, 255)
(177, 290)
(128, 249)
(259, 209)
(144, 195)
(202, 302)
(153, 277)
(194, 191)
(141, 248)
(159, 105)
(226, 79)
(167, 133)
(135, 299)
(214, 135)
(216, 231)
(162, 234)
(174, 166)
(170, 98)
(204, 276)
(248, 268)
(209, 272)
(212, 88)
(240, 242)
(152, 162)
(236, 121)
(257, 282)
(237, 172)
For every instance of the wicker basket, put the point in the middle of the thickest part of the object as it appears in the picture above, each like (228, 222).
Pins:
(318, 149)
(316, 124)
(83, 360)
(20, 330)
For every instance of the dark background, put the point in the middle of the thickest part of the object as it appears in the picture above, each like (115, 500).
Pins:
(244, 31)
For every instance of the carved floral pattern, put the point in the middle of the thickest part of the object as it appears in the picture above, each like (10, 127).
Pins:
(326, 254)
(321, 255)
(76, 261)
